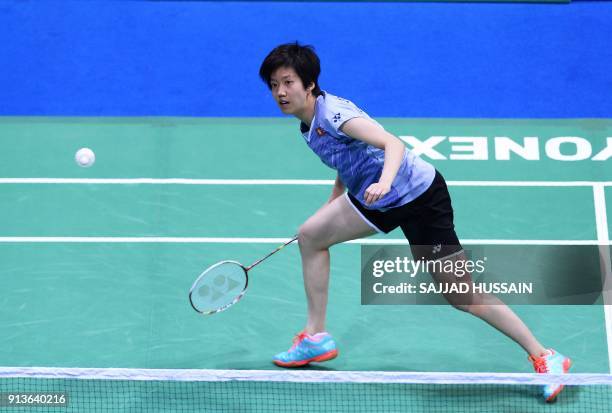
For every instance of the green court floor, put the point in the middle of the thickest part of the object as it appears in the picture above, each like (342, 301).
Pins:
(124, 304)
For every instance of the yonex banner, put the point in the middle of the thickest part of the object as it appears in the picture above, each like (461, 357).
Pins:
(503, 148)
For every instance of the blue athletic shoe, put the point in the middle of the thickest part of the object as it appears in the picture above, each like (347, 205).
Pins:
(306, 349)
(552, 363)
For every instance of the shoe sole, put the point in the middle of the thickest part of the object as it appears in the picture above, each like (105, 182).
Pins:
(322, 357)
(567, 363)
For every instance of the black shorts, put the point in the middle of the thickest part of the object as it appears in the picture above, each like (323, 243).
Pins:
(427, 221)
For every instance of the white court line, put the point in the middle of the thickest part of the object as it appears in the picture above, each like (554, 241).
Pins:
(186, 181)
(168, 181)
(226, 240)
(601, 219)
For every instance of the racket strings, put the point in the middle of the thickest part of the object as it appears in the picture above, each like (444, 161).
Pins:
(218, 287)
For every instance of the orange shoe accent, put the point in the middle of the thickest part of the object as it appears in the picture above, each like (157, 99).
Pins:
(322, 357)
(330, 355)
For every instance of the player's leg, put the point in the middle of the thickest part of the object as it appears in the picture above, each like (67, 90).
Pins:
(333, 223)
(492, 310)
(431, 233)
(486, 306)
(435, 228)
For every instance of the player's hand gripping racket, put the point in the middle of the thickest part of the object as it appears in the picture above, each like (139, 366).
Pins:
(222, 285)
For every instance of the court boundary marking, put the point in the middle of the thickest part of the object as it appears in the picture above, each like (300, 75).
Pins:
(599, 201)
(601, 220)
(237, 240)
(325, 182)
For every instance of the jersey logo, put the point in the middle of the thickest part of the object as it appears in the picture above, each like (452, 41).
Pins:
(337, 117)
(320, 131)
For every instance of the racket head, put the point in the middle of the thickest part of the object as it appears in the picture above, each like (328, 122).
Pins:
(219, 287)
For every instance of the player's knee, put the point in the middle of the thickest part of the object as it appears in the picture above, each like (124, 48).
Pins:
(476, 310)
(313, 235)
(466, 308)
(308, 235)
(465, 303)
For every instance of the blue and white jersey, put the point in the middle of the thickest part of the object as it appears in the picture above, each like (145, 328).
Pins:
(359, 164)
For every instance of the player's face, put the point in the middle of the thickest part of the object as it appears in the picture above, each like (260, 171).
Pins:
(289, 92)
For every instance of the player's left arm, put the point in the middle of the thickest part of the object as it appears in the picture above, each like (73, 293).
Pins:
(371, 133)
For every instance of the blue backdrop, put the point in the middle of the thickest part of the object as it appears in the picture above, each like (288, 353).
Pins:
(138, 58)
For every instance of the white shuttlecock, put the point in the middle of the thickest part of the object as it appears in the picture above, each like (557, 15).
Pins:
(85, 157)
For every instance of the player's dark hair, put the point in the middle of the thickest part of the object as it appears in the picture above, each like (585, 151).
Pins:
(301, 58)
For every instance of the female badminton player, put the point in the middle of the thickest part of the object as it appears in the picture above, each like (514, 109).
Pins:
(387, 186)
